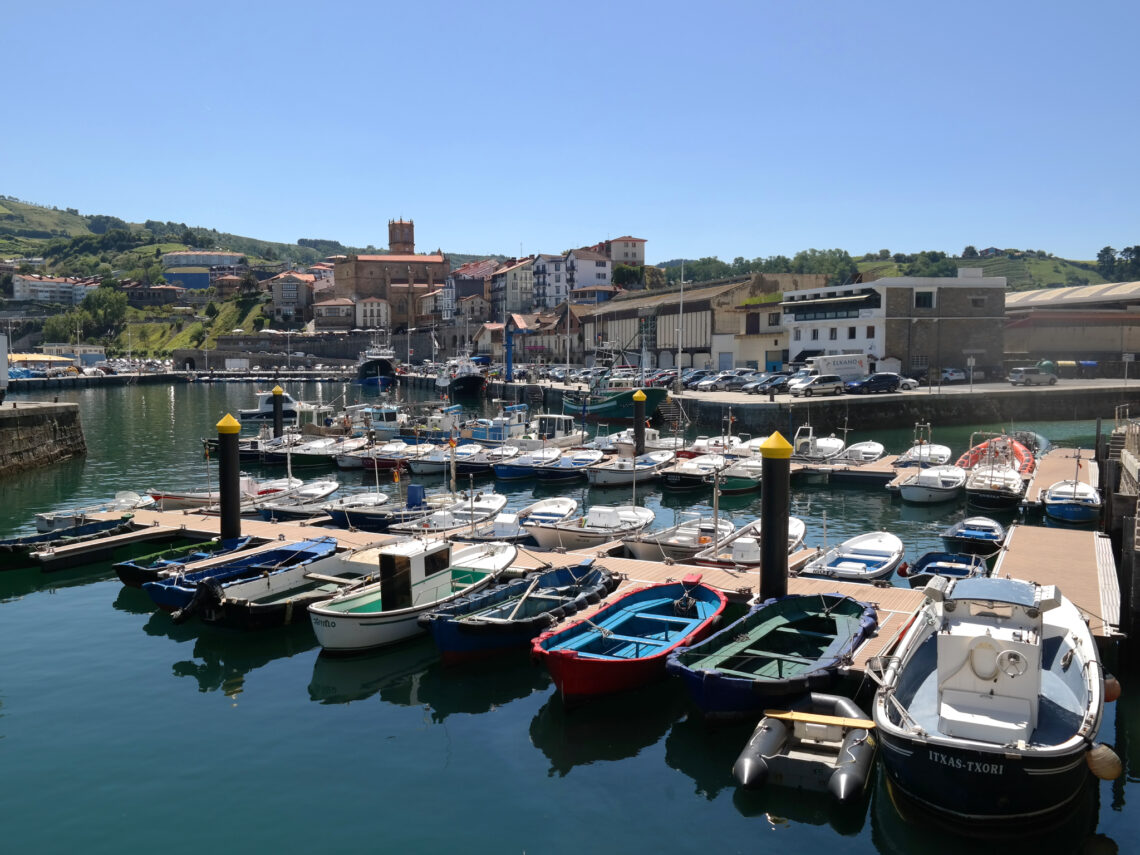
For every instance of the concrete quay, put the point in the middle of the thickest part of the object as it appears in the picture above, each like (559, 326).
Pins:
(35, 434)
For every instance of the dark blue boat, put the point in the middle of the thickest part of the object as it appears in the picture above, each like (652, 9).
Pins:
(952, 565)
(176, 592)
(149, 568)
(16, 552)
(783, 648)
(978, 535)
(569, 467)
(513, 613)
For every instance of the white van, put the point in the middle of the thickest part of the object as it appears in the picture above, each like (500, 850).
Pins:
(1031, 377)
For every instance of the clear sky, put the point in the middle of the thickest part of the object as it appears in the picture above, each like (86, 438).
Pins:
(716, 128)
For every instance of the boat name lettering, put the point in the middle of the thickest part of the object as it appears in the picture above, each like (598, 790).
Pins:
(317, 621)
(967, 765)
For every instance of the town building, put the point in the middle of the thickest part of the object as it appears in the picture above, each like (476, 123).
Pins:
(79, 354)
(372, 314)
(551, 281)
(201, 258)
(512, 288)
(587, 267)
(141, 296)
(339, 313)
(67, 291)
(1087, 323)
(908, 323)
(292, 295)
(399, 277)
(473, 309)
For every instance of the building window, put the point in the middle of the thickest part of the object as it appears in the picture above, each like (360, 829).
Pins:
(924, 299)
(796, 335)
(851, 332)
(773, 319)
(815, 335)
(557, 266)
(557, 277)
(978, 302)
(870, 332)
(599, 264)
(833, 333)
(918, 362)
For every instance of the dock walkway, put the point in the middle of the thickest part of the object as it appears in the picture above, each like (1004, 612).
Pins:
(1060, 464)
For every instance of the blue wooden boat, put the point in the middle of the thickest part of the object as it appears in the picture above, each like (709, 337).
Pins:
(623, 646)
(978, 535)
(510, 615)
(148, 568)
(569, 467)
(782, 648)
(952, 565)
(16, 552)
(175, 592)
(1072, 501)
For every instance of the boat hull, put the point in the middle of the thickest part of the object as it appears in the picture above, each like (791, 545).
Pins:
(683, 481)
(1072, 513)
(977, 785)
(616, 407)
(919, 495)
(467, 386)
(994, 500)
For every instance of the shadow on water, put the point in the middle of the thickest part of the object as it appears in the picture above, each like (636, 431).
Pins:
(411, 674)
(226, 656)
(899, 826)
(610, 728)
(133, 601)
(15, 584)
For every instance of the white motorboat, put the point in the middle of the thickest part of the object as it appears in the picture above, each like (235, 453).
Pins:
(1072, 501)
(307, 502)
(264, 409)
(692, 472)
(484, 460)
(925, 454)
(808, 447)
(550, 430)
(626, 439)
(990, 706)
(936, 484)
(249, 489)
(994, 485)
(626, 470)
(461, 516)
(867, 451)
(601, 524)
(523, 465)
(416, 577)
(862, 558)
(742, 547)
(509, 526)
(125, 500)
(439, 461)
(679, 542)
(725, 444)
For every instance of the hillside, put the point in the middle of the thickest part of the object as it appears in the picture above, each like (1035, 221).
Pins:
(1023, 273)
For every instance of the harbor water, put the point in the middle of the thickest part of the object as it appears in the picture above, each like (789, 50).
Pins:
(123, 732)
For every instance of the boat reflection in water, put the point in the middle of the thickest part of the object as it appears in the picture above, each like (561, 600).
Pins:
(16, 584)
(412, 675)
(900, 826)
(227, 656)
(612, 727)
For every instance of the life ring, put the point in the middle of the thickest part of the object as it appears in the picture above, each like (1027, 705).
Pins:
(704, 538)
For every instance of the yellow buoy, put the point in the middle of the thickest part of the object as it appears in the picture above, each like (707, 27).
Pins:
(1112, 688)
(1104, 763)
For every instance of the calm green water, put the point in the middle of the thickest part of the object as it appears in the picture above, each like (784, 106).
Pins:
(121, 732)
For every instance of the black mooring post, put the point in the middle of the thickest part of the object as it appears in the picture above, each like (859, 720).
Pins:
(775, 502)
(278, 411)
(229, 477)
(638, 423)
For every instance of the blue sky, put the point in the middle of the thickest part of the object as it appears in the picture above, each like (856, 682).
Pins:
(720, 128)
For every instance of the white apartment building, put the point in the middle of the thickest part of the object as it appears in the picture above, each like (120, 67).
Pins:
(588, 267)
(627, 250)
(512, 288)
(51, 289)
(550, 281)
(372, 313)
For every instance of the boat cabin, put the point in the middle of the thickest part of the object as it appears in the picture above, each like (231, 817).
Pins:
(412, 571)
(990, 657)
(551, 426)
(509, 424)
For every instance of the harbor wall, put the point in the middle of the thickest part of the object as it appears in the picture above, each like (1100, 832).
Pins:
(34, 435)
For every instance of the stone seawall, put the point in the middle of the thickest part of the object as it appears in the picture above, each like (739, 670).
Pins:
(38, 434)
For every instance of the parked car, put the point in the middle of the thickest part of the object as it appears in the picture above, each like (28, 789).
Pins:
(883, 382)
(953, 375)
(753, 382)
(821, 384)
(709, 383)
(1031, 377)
(735, 383)
(777, 383)
(697, 377)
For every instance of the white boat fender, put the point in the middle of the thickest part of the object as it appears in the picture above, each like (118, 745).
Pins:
(1104, 762)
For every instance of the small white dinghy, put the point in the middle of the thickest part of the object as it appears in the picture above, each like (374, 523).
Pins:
(679, 542)
(464, 515)
(509, 526)
(601, 524)
(863, 558)
(933, 485)
(625, 470)
(742, 547)
(867, 451)
(125, 500)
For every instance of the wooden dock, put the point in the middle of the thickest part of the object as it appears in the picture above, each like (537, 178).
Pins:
(1060, 464)
(102, 548)
(1079, 563)
(877, 472)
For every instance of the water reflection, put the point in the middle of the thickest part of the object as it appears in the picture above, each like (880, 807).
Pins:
(901, 827)
(611, 728)
(227, 656)
(412, 675)
(134, 601)
(15, 584)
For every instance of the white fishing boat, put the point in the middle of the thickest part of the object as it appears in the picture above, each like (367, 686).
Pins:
(307, 502)
(862, 558)
(125, 500)
(725, 444)
(692, 472)
(461, 516)
(994, 485)
(806, 446)
(742, 547)
(1072, 501)
(509, 526)
(249, 489)
(679, 542)
(416, 577)
(933, 485)
(524, 465)
(601, 524)
(867, 451)
(923, 452)
(626, 470)
(625, 439)
(550, 430)
(439, 461)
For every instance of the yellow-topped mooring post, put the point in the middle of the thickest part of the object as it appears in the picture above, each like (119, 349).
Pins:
(638, 423)
(278, 411)
(229, 477)
(775, 502)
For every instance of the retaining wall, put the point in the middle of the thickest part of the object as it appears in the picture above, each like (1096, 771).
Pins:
(38, 434)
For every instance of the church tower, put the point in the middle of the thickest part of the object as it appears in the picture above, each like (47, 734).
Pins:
(401, 237)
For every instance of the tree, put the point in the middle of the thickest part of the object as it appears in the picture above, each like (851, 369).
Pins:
(187, 237)
(249, 283)
(107, 308)
(211, 310)
(931, 263)
(884, 255)
(1106, 263)
(970, 252)
(625, 275)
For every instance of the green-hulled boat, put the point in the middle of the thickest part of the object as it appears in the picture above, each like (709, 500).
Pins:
(612, 401)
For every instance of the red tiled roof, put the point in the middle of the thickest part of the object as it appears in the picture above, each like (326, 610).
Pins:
(403, 259)
(338, 301)
(627, 237)
(589, 255)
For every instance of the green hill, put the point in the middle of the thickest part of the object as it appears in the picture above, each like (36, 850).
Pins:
(1024, 272)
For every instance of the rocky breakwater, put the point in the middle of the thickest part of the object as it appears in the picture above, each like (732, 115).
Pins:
(33, 434)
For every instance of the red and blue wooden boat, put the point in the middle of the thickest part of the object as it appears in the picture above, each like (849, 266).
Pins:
(624, 645)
